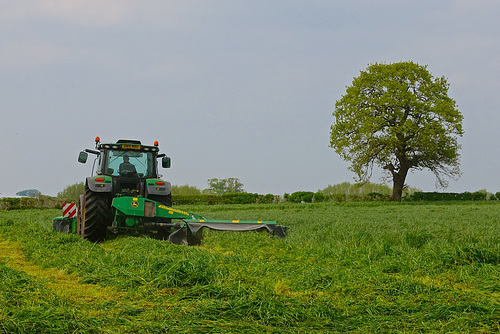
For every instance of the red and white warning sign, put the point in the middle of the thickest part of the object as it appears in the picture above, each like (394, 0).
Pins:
(69, 210)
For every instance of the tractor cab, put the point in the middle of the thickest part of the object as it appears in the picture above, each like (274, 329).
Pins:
(127, 167)
(125, 163)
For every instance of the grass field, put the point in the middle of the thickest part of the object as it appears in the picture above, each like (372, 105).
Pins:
(350, 267)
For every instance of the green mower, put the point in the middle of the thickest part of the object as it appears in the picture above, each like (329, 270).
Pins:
(126, 195)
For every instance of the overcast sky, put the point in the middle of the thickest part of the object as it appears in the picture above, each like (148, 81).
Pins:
(241, 89)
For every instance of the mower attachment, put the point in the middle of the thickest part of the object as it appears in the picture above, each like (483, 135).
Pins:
(134, 212)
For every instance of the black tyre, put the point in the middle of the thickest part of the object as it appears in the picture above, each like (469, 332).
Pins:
(96, 216)
(80, 216)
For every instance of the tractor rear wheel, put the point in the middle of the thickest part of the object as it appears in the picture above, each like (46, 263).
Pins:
(95, 217)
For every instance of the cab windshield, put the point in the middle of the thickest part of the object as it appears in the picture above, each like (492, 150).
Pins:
(129, 164)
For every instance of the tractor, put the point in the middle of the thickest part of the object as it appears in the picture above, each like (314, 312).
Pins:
(125, 194)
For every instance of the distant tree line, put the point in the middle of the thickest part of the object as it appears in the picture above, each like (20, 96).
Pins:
(215, 187)
(343, 192)
(231, 191)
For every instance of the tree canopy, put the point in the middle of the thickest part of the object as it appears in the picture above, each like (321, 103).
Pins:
(29, 193)
(399, 117)
(224, 186)
(72, 192)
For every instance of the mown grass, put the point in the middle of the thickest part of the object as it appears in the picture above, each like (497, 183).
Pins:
(351, 267)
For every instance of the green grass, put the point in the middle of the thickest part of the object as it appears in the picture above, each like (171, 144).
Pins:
(350, 267)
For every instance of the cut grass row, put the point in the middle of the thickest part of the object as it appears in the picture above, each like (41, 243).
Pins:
(359, 267)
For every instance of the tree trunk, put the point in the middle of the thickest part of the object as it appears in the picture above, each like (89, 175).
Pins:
(398, 182)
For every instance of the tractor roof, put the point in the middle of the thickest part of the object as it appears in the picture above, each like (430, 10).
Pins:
(127, 144)
(128, 141)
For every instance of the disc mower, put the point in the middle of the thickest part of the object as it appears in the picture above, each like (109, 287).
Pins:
(127, 195)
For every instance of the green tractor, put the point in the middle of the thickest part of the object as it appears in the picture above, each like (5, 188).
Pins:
(126, 195)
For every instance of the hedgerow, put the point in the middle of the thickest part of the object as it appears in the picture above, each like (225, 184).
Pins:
(252, 198)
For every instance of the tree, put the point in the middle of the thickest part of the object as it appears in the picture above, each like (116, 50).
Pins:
(224, 186)
(72, 192)
(34, 193)
(399, 117)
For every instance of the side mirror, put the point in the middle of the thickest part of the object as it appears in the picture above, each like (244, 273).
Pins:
(165, 162)
(82, 157)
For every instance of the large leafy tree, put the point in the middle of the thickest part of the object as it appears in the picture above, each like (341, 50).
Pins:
(224, 186)
(399, 117)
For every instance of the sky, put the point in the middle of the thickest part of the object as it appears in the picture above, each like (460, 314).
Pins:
(242, 89)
